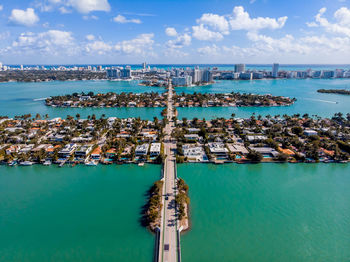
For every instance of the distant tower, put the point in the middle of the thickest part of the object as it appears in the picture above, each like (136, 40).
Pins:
(144, 65)
(239, 68)
(275, 67)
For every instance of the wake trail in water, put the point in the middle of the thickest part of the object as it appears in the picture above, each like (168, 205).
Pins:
(323, 101)
(40, 99)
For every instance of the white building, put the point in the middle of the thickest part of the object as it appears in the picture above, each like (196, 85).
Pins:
(182, 81)
(141, 150)
(155, 149)
(194, 152)
(218, 149)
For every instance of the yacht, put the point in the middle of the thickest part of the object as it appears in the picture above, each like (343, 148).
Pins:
(91, 163)
(26, 163)
(47, 163)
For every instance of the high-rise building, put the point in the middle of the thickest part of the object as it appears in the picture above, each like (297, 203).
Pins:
(182, 81)
(126, 72)
(207, 76)
(239, 68)
(196, 75)
(144, 65)
(275, 68)
(113, 73)
(0, 65)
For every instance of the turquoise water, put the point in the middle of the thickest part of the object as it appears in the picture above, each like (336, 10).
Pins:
(305, 90)
(268, 212)
(74, 214)
(20, 98)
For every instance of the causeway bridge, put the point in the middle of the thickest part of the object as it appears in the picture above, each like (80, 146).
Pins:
(168, 235)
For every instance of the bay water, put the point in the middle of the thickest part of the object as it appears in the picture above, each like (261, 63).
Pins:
(75, 214)
(267, 212)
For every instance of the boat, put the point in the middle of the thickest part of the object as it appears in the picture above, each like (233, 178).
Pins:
(12, 163)
(47, 163)
(26, 163)
(141, 164)
(91, 163)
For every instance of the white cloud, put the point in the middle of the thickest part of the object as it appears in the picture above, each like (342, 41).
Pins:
(90, 37)
(123, 20)
(240, 20)
(216, 22)
(202, 33)
(141, 45)
(64, 10)
(49, 43)
(180, 41)
(23, 17)
(4, 35)
(1, 7)
(343, 16)
(341, 26)
(98, 47)
(87, 6)
(90, 17)
(170, 31)
(212, 50)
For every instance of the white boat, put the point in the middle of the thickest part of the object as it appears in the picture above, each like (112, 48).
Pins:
(26, 163)
(91, 163)
(141, 164)
(47, 163)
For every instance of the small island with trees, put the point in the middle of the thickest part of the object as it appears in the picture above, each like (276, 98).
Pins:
(334, 91)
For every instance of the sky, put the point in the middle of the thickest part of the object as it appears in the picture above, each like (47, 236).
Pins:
(174, 31)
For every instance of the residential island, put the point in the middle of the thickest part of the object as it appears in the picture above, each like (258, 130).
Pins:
(155, 99)
(25, 140)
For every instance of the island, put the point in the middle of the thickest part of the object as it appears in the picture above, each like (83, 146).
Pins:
(334, 91)
(154, 99)
(28, 140)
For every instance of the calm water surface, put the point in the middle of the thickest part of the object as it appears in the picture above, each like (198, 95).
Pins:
(22, 98)
(268, 212)
(74, 214)
(305, 90)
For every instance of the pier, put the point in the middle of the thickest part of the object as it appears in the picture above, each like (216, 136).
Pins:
(169, 242)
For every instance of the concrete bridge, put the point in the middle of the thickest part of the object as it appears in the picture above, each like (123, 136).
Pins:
(169, 235)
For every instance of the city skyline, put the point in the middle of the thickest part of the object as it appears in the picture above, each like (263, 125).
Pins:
(116, 32)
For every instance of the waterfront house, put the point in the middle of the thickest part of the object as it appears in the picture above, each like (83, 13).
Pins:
(67, 151)
(194, 152)
(155, 149)
(237, 149)
(267, 152)
(111, 153)
(82, 151)
(96, 153)
(141, 150)
(218, 149)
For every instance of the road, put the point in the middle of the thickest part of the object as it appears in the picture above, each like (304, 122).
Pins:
(169, 226)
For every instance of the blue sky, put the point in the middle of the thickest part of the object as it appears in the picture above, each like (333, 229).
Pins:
(169, 31)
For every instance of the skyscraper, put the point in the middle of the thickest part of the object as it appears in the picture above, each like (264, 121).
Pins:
(239, 68)
(275, 67)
